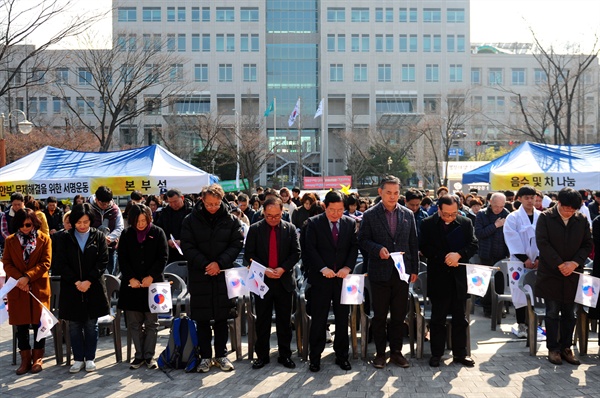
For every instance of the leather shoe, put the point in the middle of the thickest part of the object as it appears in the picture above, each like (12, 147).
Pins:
(314, 366)
(344, 364)
(287, 362)
(566, 354)
(379, 361)
(555, 357)
(467, 361)
(434, 362)
(259, 363)
(399, 359)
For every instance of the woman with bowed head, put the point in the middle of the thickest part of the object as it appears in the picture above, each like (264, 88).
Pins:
(83, 257)
(143, 253)
(27, 257)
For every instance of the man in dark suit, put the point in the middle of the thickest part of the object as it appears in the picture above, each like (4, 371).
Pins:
(274, 243)
(447, 239)
(331, 249)
(387, 228)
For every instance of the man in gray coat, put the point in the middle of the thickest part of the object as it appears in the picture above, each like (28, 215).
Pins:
(387, 228)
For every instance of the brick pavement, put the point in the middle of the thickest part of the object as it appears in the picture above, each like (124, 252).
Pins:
(504, 369)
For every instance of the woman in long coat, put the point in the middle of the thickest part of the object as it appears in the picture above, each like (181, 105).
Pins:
(27, 257)
(143, 253)
(83, 257)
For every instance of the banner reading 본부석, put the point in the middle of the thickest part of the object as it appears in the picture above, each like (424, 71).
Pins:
(333, 182)
(121, 186)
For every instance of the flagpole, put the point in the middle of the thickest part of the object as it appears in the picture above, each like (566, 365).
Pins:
(275, 135)
(324, 144)
(299, 164)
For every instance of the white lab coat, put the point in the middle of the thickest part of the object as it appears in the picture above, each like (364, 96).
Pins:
(519, 234)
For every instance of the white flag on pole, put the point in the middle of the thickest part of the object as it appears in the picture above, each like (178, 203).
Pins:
(353, 288)
(478, 279)
(47, 321)
(516, 270)
(294, 114)
(398, 258)
(3, 312)
(256, 279)
(235, 278)
(8, 286)
(587, 290)
(319, 111)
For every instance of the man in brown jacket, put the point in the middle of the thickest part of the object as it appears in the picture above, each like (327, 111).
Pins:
(564, 242)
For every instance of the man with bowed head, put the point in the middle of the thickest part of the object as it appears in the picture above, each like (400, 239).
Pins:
(331, 249)
(447, 240)
(386, 228)
(564, 241)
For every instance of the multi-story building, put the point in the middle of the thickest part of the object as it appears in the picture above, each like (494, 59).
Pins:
(379, 67)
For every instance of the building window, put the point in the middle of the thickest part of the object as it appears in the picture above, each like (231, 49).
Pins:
(432, 73)
(205, 14)
(181, 42)
(152, 105)
(128, 135)
(518, 77)
(195, 14)
(451, 43)
(336, 15)
(495, 104)
(250, 73)
(225, 73)
(408, 72)
(85, 77)
(476, 76)
(249, 14)
(127, 14)
(379, 43)
(336, 73)
(170, 14)
(360, 15)
(62, 76)
(495, 77)
(170, 43)
(341, 43)
(432, 15)
(384, 73)
(456, 73)
(427, 43)
(151, 14)
(225, 14)
(437, 43)
(413, 43)
(220, 42)
(382, 15)
(360, 43)
(412, 15)
(460, 43)
(176, 74)
(201, 72)
(157, 42)
(180, 14)
(57, 103)
(152, 73)
(389, 43)
(195, 42)
(330, 43)
(205, 42)
(365, 43)
(230, 42)
(456, 15)
(540, 76)
(403, 41)
(360, 72)
(249, 42)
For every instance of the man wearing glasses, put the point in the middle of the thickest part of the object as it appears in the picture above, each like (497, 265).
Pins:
(274, 243)
(448, 241)
(108, 219)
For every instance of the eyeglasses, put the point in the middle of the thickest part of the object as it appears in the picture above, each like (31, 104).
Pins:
(275, 217)
(28, 225)
(449, 215)
(211, 206)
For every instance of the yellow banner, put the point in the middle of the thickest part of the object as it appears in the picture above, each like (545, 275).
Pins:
(542, 181)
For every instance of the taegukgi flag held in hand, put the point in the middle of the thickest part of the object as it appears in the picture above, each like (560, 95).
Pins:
(235, 278)
(478, 279)
(353, 289)
(256, 279)
(398, 258)
(587, 290)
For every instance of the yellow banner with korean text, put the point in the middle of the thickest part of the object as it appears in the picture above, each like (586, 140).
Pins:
(542, 181)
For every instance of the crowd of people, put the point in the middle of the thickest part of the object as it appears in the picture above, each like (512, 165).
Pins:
(88, 237)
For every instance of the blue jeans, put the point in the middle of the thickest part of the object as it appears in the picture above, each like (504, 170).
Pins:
(560, 324)
(84, 339)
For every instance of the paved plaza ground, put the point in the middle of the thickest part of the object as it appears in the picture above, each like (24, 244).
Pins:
(504, 368)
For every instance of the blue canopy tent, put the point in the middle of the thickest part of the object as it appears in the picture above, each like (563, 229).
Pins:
(57, 172)
(546, 167)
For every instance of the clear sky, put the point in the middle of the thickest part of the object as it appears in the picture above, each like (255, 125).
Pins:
(553, 21)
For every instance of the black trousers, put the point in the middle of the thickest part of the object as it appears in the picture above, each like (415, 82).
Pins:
(389, 296)
(281, 300)
(23, 338)
(322, 296)
(440, 308)
(205, 338)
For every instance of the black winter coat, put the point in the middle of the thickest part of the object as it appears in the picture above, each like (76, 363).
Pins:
(88, 265)
(139, 260)
(204, 240)
(558, 243)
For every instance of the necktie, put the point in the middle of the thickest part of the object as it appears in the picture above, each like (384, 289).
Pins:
(335, 233)
(273, 262)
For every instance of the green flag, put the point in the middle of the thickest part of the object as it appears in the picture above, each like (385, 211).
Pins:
(270, 109)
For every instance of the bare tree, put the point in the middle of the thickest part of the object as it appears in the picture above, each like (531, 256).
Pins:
(18, 22)
(128, 80)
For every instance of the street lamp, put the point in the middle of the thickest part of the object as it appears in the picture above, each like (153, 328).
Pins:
(389, 163)
(25, 127)
(237, 149)
(212, 164)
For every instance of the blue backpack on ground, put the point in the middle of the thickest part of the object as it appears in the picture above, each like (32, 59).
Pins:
(182, 349)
